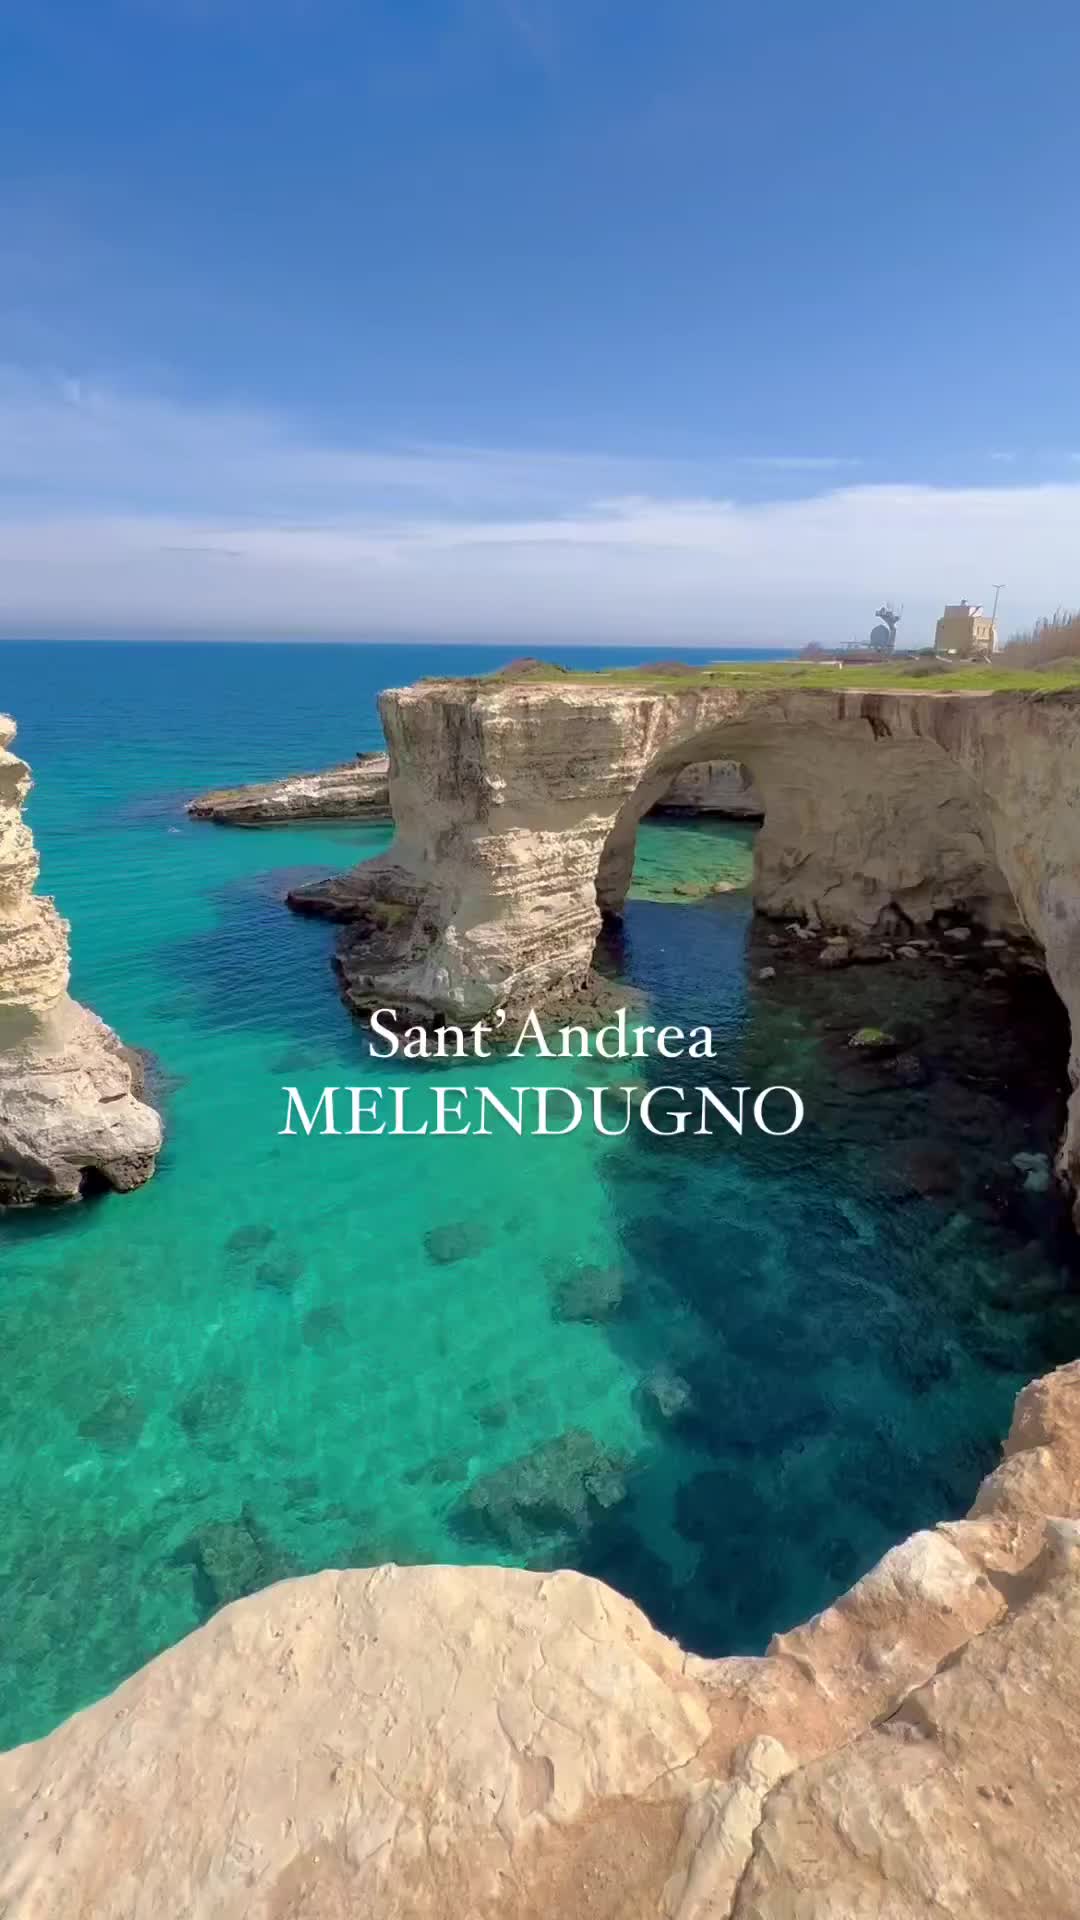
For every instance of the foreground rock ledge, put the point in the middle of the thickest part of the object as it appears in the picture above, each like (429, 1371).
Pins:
(436, 1743)
(69, 1114)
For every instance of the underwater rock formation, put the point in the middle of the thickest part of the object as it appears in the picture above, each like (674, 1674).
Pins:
(558, 1486)
(517, 807)
(68, 1107)
(422, 1743)
(356, 790)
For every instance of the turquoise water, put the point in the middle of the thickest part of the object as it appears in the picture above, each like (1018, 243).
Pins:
(723, 1376)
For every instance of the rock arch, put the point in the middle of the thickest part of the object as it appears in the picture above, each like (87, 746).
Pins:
(853, 839)
(516, 808)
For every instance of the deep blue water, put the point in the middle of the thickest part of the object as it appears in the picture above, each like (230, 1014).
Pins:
(724, 1376)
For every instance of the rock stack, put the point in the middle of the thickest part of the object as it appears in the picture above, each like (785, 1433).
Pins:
(70, 1118)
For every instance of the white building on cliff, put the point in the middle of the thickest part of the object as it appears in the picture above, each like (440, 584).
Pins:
(965, 632)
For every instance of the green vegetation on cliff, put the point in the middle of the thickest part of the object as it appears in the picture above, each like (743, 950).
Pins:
(915, 673)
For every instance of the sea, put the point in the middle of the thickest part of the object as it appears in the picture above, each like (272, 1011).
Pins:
(723, 1375)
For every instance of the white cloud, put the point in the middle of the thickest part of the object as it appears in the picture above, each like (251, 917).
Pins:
(798, 462)
(73, 442)
(121, 514)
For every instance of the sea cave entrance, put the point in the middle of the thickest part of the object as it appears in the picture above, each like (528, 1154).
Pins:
(697, 840)
(717, 795)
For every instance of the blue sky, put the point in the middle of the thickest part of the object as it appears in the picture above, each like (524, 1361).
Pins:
(702, 321)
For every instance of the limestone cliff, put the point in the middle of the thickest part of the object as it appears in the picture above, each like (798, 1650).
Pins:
(430, 1743)
(68, 1111)
(516, 809)
(356, 790)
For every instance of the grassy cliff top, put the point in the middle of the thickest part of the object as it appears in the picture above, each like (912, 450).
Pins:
(902, 674)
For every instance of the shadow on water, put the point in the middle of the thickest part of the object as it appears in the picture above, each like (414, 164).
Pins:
(828, 1331)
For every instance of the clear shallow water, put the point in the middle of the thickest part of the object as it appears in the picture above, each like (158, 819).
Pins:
(723, 1376)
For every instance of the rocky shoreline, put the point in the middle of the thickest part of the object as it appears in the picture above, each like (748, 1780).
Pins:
(425, 1743)
(434, 1741)
(516, 809)
(360, 790)
(950, 940)
(70, 1113)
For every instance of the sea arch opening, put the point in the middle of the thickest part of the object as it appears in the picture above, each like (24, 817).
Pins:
(861, 831)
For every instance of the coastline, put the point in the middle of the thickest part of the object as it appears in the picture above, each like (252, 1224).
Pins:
(298, 1288)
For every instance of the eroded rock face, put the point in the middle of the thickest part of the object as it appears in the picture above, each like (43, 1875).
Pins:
(517, 806)
(357, 790)
(713, 786)
(68, 1108)
(427, 1743)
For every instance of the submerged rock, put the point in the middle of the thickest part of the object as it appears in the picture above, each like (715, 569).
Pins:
(248, 1240)
(1035, 1168)
(281, 1274)
(663, 1395)
(873, 1040)
(589, 1293)
(115, 1423)
(323, 1327)
(232, 1558)
(445, 1470)
(493, 1414)
(228, 1559)
(553, 1489)
(460, 1240)
(211, 1407)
